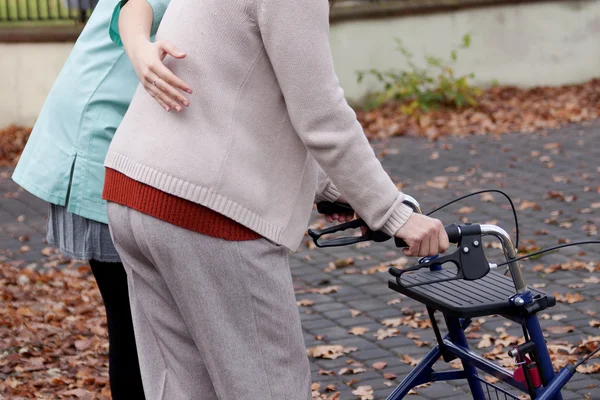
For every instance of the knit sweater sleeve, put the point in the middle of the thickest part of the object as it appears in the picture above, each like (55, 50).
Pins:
(326, 190)
(296, 38)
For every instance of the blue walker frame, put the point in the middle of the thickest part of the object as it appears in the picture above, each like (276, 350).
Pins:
(454, 345)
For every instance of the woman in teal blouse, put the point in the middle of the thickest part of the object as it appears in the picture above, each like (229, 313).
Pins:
(63, 161)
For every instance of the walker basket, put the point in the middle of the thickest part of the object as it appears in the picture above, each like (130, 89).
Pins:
(493, 392)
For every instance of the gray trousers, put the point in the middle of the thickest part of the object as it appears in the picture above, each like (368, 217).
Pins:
(213, 319)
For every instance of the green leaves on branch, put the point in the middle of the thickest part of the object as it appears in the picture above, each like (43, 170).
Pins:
(423, 88)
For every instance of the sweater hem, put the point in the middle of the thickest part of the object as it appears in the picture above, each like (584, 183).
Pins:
(195, 193)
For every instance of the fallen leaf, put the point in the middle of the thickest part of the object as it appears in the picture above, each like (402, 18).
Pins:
(358, 330)
(48, 251)
(339, 263)
(379, 365)
(330, 352)
(350, 371)
(386, 333)
(413, 362)
(526, 205)
(79, 393)
(486, 341)
(438, 183)
(330, 388)
(486, 197)
(569, 298)
(364, 392)
(560, 330)
(326, 372)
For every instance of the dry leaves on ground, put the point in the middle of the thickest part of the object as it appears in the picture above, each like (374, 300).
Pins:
(358, 330)
(330, 352)
(351, 371)
(568, 266)
(379, 365)
(305, 303)
(364, 393)
(412, 319)
(317, 395)
(320, 290)
(12, 142)
(501, 110)
(569, 298)
(386, 333)
(53, 334)
(339, 263)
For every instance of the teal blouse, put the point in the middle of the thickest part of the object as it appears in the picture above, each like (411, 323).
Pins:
(63, 160)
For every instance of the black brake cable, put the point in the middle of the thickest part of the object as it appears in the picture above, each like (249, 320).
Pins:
(586, 358)
(512, 205)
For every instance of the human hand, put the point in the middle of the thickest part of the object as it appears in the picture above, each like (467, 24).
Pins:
(346, 216)
(340, 217)
(162, 84)
(425, 236)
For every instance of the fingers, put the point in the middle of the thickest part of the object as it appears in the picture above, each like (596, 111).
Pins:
(433, 244)
(158, 100)
(339, 217)
(165, 73)
(424, 247)
(155, 73)
(151, 86)
(413, 250)
(346, 217)
(175, 83)
(425, 236)
(169, 48)
(169, 92)
(444, 243)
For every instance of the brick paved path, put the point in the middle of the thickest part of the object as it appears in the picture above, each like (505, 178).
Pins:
(553, 178)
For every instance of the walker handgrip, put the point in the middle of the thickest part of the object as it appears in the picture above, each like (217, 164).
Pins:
(329, 208)
(453, 232)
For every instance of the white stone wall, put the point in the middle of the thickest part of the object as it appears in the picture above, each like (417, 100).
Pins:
(549, 43)
(27, 72)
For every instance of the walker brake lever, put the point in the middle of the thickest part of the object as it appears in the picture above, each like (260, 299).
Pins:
(469, 258)
(339, 208)
(317, 234)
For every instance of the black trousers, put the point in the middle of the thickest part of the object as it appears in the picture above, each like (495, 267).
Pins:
(123, 367)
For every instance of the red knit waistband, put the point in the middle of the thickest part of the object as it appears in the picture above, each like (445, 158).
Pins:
(119, 188)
